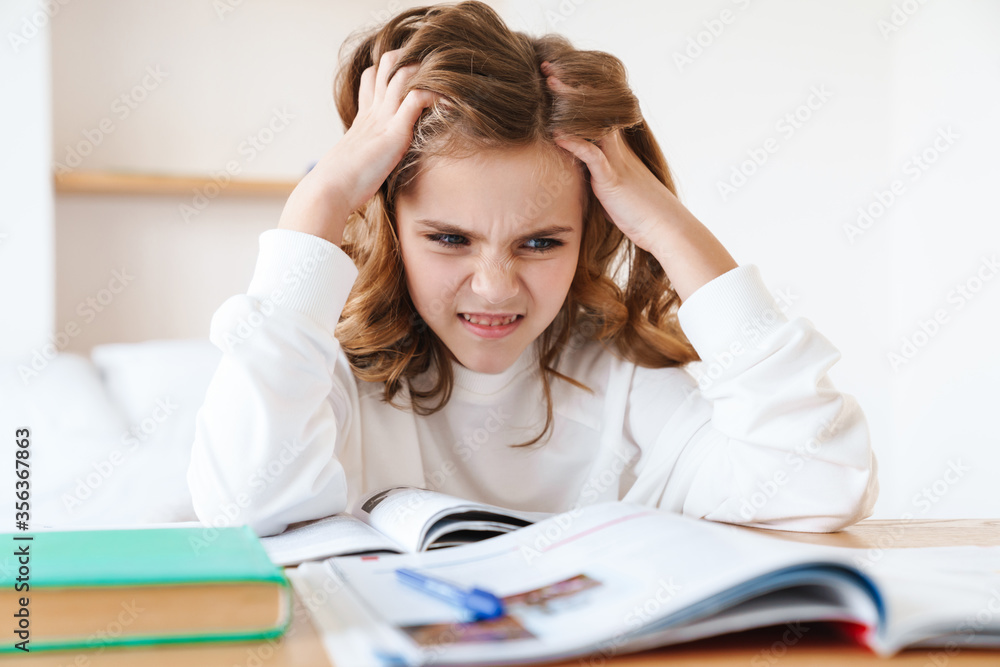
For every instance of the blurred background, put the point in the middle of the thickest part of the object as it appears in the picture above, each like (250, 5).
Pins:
(847, 149)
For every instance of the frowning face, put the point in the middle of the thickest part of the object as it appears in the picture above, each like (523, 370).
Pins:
(490, 245)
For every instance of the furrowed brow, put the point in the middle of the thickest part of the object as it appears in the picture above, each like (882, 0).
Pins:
(448, 228)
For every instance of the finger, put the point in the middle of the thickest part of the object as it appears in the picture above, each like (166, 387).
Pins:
(366, 91)
(613, 145)
(552, 80)
(619, 152)
(557, 85)
(399, 81)
(385, 63)
(411, 107)
(590, 154)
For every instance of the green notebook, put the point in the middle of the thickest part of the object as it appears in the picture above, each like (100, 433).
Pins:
(96, 588)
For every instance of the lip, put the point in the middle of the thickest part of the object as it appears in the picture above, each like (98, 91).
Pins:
(485, 331)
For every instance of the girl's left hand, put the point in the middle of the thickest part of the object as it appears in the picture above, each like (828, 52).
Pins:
(639, 204)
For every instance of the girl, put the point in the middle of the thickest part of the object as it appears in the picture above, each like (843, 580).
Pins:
(489, 288)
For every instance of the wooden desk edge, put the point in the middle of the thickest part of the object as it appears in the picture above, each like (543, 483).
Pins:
(900, 534)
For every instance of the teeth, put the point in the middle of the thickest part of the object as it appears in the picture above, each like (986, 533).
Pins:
(490, 322)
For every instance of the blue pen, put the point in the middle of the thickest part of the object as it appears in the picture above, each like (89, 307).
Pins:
(483, 604)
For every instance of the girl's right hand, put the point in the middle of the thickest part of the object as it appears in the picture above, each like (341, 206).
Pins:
(351, 172)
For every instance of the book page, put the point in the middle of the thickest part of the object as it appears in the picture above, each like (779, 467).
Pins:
(598, 581)
(337, 535)
(407, 515)
(350, 634)
(936, 596)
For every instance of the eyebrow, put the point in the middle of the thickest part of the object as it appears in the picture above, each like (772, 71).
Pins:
(447, 228)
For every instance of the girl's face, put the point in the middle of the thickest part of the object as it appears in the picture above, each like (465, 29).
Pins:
(489, 237)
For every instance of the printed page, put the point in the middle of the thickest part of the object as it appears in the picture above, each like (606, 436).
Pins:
(337, 535)
(936, 596)
(407, 514)
(800, 603)
(592, 581)
(350, 634)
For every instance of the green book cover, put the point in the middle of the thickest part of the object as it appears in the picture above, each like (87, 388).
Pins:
(103, 558)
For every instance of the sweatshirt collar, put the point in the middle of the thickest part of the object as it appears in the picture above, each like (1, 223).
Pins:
(486, 384)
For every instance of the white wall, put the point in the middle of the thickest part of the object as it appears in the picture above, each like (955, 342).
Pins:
(27, 303)
(944, 234)
(889, 91)
(896, 73)
(184, 89)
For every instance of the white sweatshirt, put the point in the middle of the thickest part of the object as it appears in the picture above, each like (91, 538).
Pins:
(287, 433)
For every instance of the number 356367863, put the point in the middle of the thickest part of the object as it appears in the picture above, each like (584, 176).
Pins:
(22, 438)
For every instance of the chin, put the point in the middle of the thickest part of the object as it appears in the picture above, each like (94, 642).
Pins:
(490, 366)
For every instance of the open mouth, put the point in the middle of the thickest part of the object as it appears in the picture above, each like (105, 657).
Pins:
(489, 321)
(497, 327)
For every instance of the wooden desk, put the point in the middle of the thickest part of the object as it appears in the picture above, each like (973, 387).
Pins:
(817, 644)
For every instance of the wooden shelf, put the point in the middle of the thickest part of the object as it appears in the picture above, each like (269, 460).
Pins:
(116, 183)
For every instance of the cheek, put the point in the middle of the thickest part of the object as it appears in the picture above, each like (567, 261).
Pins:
(549, 281)
(415, 273)
(432, 280)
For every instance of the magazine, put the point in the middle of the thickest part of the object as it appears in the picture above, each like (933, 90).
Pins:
(400, 519)
(613, 578)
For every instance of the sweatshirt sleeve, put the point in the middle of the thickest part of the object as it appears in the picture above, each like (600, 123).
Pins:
(762, 438)
(282, 395)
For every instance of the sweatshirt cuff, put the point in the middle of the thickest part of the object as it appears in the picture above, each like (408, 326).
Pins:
(304, 273)
(730, 314)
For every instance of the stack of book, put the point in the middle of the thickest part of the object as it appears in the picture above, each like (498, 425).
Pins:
(96, 588)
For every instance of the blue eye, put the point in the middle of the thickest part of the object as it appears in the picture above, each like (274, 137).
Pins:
(552, 244)
(439, 238)
(447, 241)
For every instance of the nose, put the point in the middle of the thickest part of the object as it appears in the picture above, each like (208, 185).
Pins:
(495, 281)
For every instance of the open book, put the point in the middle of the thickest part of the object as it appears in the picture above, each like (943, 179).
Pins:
(401, 519)
(613, 578)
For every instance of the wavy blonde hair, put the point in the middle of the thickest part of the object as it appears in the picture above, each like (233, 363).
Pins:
(494, 97)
